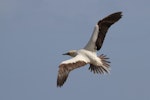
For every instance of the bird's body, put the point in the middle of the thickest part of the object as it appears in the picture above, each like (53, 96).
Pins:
(87, 55)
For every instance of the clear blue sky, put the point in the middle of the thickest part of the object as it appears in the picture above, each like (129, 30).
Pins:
(34, 34)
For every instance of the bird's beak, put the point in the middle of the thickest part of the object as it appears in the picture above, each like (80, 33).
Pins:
(66, 53)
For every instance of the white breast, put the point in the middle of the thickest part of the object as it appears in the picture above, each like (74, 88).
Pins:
(92, 56)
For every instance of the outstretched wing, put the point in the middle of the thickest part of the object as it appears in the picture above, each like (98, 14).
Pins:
(100, 30)
(67, 66)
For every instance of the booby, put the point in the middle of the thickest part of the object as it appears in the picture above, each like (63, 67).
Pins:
(87, 55)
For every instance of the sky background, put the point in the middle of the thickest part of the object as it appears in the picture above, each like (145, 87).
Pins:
(35, 33)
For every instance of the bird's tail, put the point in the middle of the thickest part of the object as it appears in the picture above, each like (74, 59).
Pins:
(105, 68)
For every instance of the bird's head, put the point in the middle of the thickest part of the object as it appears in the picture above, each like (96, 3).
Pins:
(71, 53)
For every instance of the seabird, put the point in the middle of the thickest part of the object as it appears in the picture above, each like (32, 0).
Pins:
(87, 55)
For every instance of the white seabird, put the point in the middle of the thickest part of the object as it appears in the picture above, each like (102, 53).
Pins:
(87, 55)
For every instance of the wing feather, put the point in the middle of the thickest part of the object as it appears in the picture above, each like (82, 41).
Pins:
(104, 25)
(100, 30)
(67, 66)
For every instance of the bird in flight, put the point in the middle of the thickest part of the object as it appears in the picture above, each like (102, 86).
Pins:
(87, 55)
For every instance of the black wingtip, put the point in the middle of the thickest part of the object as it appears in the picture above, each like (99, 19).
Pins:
(119, 13)
(104, 25)
(112, 18)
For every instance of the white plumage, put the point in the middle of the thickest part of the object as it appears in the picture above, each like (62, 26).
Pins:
(91, 44)
(87, 55)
